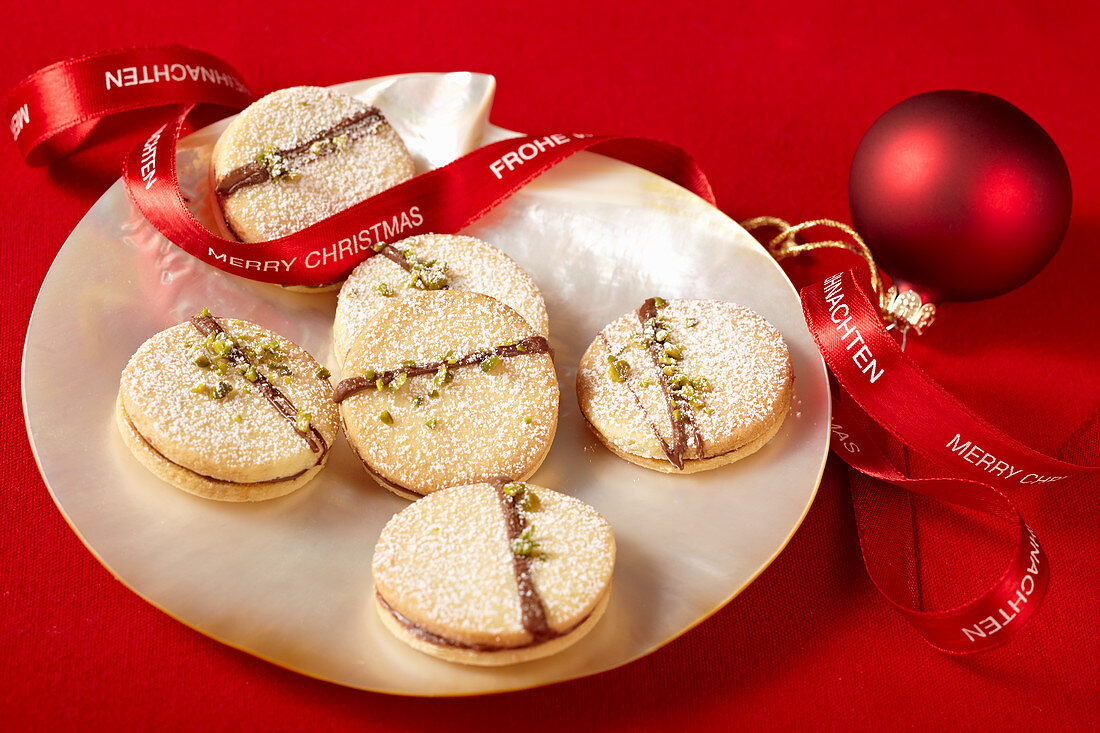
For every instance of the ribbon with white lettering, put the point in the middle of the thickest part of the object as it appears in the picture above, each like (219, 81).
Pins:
(882, 391)
(55, 107)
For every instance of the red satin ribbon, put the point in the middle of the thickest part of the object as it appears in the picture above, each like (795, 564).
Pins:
(882, 391)
(51, 111)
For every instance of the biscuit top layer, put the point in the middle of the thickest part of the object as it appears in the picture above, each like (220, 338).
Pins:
(482, 422)
(239, 436)
(344, 173)
(445, 563)
(470, 265)
(742, 358)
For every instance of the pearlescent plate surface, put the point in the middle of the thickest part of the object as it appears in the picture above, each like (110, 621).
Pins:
(289, 579)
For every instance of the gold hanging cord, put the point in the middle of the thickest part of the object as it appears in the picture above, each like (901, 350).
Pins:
(903, 310)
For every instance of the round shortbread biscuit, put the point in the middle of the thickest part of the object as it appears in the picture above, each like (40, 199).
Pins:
(226, 409)
(300, 155)
(493, 573)
(448, 388)
(700, 382)
(434, 262)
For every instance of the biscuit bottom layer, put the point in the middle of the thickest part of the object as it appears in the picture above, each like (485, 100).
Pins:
(213, 478)
(432, 638)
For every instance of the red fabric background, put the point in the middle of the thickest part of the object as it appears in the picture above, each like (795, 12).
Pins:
(772, 98)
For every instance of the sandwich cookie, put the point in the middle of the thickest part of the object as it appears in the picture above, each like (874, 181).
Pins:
(433, 262)
(300, 155)
(681, 386)
(448, 388)
(493, 573)
(227, 410)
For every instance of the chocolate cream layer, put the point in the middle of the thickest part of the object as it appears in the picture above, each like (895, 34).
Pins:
(255, 172)
(532, 609)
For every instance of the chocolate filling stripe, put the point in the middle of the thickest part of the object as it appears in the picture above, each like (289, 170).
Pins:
(213, 478)
(421, 633)
(674, 451)
(254, 173)
(532, 612)
(353, 385)
(208, 326)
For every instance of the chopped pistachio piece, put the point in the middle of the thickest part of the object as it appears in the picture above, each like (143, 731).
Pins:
(531, 501)
(512, 488)
(430, 423)
(527, 420)
(204, 313)
(526, 545)
(385, 289)
(660, 302)
(489, 362)
(221, 391)
(302, 421)
(323, 373)
(386, 417)
(200, 388)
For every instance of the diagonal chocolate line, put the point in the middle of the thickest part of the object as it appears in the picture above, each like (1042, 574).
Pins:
(208, 326)
(253, 172)
(637, 400)
(353, 385)
(675, 451)
(532, 611)
(395, 255)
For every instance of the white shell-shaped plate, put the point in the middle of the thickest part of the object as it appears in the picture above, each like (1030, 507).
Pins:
(289, 580)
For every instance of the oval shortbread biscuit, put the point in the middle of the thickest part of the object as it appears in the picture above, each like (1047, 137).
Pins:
(682, 386)
(433, 262)
(227, 410)
(300, 155)
(446, 388)
(493, 573)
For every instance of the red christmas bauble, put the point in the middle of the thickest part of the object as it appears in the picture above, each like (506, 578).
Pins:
(959, 195)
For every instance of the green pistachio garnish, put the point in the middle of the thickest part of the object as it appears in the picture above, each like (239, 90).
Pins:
(443, 377)
(282, 369)
(221, 365)
(521, 347)
(200, 388)
(323, 373)
(408, 363)
(676, 414)
(399, 381)
(429, 275)
(369, 374)
(513, 487)
(434, 393)
(531, 501)
(527, 420)
(618, 370)
(386, 417)
(673, 351)
(430, 424)
(450, 357)
(204, 313)
(201, 360)
(277, 165)
(236, 418)
(379, 384)
(691, 322)
(526, 546)
(386, 289)
(489, 362)
(659, 302)
(418, 401)
(708, 410)
(221, 391)
(302, 421)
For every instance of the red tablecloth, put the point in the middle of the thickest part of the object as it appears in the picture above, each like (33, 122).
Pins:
(772, 102)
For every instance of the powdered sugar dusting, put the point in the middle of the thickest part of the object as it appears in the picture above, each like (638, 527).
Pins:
(742, 356)
(240, 437)
(483, 424)
(371, 161)
(445, 563)
(472, 265)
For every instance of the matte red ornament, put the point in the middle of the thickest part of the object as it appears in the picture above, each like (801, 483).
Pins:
(960, 195)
